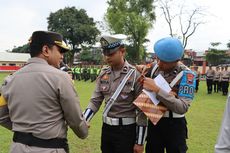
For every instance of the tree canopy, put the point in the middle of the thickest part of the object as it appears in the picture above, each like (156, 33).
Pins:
(76, 27)
(215, 56)
(133, 18)
(228, 45)
(21, 49)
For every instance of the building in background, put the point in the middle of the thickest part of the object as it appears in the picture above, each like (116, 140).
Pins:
(12, 61)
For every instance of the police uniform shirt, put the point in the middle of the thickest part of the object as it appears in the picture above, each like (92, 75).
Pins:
(225, 75)
(177, 104)
(41, 100)
(217, 76)
(197, 74)
(210, 74)
(106, 85)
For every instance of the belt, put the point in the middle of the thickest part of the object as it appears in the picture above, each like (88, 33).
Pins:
(118, 121)
(174, 115)
(30, 140)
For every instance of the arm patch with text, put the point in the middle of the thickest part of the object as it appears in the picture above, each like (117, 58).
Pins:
(187, 85)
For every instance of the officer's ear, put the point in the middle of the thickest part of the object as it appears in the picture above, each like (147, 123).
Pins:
(122, 49)
(45, 50)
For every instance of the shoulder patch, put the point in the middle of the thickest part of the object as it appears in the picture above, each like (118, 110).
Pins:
(187, 84)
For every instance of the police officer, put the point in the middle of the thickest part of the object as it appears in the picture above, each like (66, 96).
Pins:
(170, 132)
(216, 80)
(225, 77)
(39, 102)
(209, 79)
(221, 73)
(124, 126)
(197, 72)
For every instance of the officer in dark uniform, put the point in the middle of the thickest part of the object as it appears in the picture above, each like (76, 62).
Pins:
(124, 126)
(197, 77)
(39, 102)
(170, 132)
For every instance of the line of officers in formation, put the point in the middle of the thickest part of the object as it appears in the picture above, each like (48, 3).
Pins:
(86, 72)
(217, 79)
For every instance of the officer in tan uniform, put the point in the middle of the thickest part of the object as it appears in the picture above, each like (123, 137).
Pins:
(124, 126)
(225, 78)
(216, 80)
(39, 102)
(170, 132)
(209, 79)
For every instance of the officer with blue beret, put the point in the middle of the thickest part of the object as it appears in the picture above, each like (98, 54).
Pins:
(170, 132)
(124, 125)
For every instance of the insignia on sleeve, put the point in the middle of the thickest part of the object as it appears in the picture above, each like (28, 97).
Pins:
(105, 77)
(190, 78)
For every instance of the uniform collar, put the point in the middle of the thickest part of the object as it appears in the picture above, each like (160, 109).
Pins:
(37, 60)
(124, 69)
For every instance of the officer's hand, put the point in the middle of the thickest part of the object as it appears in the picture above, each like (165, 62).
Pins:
(173, 93)
(149, 84)
(140, 68)
(88, 124)
(138, 148)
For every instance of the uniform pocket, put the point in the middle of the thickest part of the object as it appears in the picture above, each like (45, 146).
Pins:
(104, 87)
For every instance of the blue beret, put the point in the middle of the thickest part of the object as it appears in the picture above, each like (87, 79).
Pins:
(169, 49)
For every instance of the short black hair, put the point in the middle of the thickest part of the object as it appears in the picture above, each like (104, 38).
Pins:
(36, 49)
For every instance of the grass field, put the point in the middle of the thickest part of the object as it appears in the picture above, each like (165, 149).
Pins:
(204, 120)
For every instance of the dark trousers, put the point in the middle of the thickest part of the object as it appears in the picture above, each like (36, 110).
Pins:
(197, 85)
(209, 85)
(225, 85)
(118, 139)
(216, 85)
(169, 134)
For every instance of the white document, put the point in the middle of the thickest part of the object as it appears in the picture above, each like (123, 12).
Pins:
(163, 84)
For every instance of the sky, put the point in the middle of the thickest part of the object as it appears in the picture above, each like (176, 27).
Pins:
(19, 18)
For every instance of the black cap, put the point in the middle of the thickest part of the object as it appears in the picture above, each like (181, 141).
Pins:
(48, 37)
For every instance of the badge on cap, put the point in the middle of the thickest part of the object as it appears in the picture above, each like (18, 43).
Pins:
(112, 41)
(103, 42)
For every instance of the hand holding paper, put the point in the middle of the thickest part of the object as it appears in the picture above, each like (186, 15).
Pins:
(147, 100)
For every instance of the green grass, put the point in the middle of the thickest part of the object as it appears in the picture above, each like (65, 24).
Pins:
(204, 120)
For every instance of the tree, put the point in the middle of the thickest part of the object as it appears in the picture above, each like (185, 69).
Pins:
(228, 44)
(133, 18)
(21, 49)
(188, 21)
(92, 55)
(75, 26)
(215, 56)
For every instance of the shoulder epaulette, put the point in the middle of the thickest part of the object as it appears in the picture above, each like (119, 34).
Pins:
(105, 68)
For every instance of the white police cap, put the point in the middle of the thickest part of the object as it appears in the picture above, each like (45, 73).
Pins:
(112, 41)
